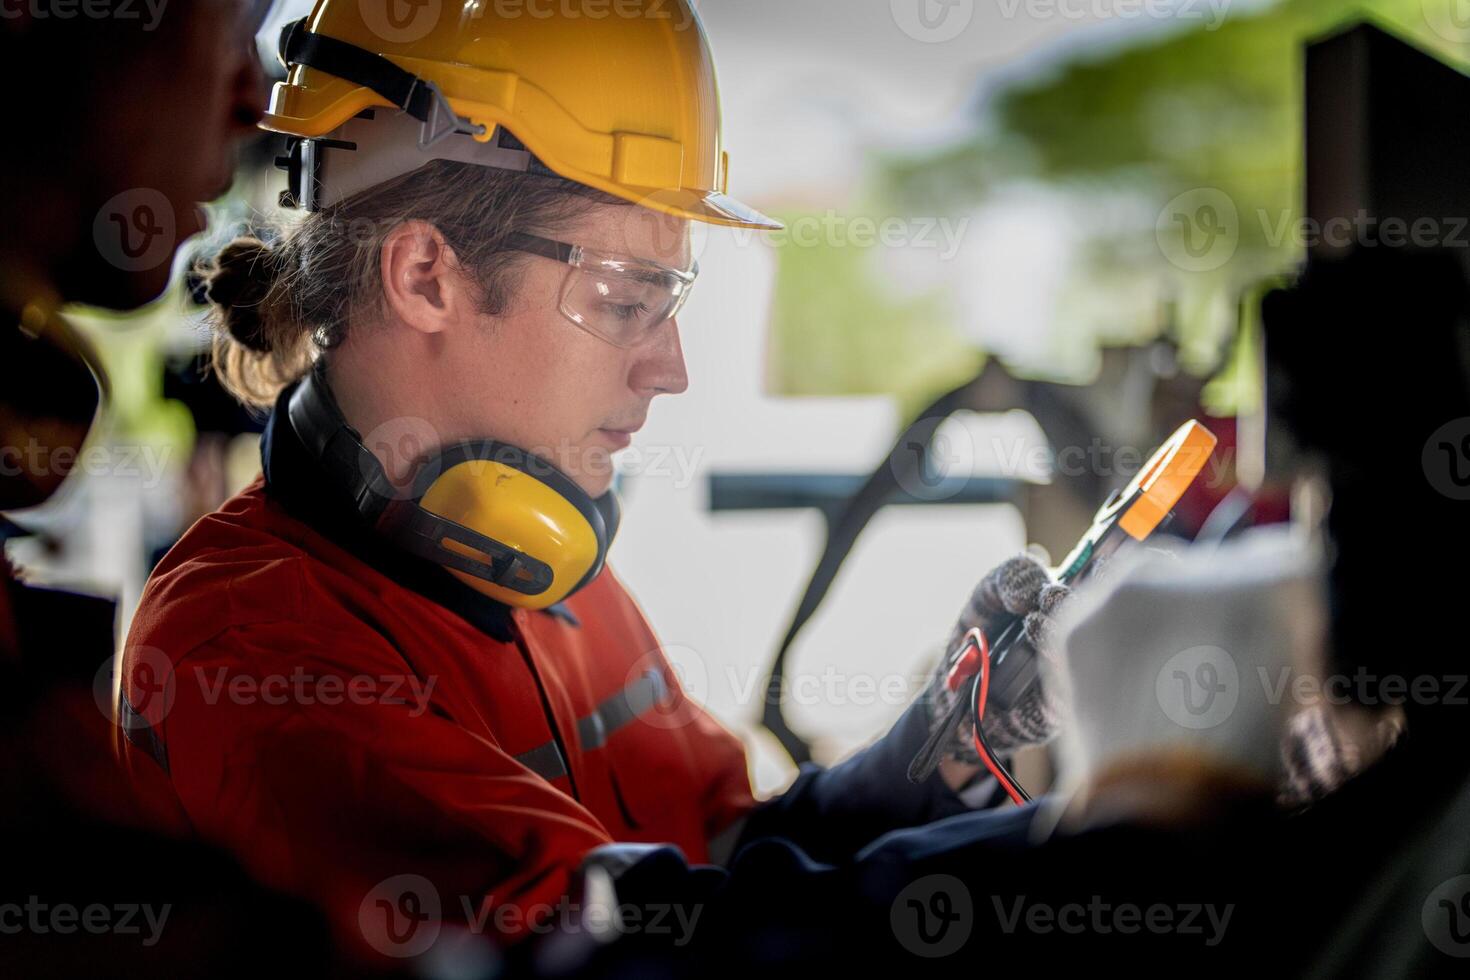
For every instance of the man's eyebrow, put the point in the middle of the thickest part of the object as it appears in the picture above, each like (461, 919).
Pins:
(654, 277)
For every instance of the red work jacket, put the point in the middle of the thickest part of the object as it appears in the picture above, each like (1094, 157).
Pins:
(337, 729)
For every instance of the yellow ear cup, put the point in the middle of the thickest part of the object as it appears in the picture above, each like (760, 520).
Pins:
(521, 512)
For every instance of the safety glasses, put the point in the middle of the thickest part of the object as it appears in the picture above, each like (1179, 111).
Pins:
(614, 297)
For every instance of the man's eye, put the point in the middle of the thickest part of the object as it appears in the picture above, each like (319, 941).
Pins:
(629, 311)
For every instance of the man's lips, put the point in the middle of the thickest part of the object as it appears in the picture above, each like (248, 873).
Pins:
(620, 438)
(621, 435)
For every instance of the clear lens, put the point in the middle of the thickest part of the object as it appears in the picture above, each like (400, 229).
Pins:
(621, 301)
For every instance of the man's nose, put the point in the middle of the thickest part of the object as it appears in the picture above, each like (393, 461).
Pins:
(660, 368)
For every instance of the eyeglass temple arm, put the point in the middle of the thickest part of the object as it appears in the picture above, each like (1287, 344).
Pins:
(536, 245)
(563, 252)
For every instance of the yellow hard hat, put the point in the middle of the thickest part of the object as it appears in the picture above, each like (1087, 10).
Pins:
(619, 95)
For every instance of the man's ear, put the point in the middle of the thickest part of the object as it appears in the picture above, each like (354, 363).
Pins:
(424, 284)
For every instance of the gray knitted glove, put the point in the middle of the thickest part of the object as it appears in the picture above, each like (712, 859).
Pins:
(1017, 587)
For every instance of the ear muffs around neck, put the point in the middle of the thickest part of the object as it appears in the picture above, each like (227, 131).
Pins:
(504, 521)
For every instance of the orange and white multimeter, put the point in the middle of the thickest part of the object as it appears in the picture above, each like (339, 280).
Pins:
(1130, 514)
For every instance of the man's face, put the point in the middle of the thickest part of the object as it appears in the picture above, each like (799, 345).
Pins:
(535, 379)
(163, 140)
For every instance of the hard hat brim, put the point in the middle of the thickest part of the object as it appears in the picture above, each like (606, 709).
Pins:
(710, 207)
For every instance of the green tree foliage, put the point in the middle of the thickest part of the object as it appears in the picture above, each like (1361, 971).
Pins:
(1160, 114)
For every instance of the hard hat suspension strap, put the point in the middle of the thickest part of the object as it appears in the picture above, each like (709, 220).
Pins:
(419, 98)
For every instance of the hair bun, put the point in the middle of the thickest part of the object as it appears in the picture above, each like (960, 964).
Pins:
(239, 283)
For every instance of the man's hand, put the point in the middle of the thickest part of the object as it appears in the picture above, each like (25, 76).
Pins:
(1017, 587)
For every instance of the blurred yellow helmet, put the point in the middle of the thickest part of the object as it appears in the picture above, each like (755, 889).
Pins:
(619, 95)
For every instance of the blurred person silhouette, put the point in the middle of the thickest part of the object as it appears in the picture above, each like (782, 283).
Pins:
(128, 123)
